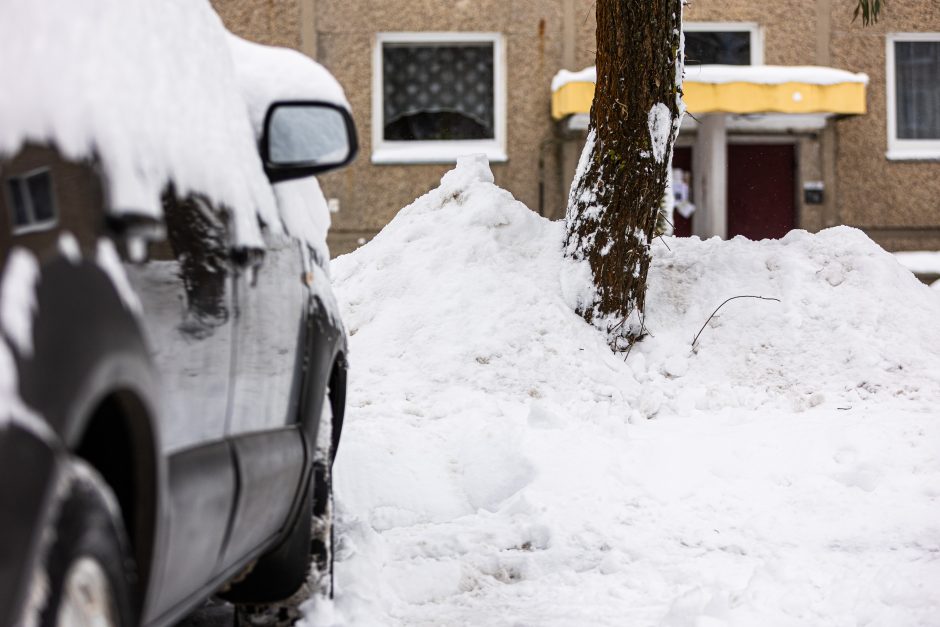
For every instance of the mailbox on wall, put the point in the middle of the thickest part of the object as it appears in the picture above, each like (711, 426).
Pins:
(813, 193)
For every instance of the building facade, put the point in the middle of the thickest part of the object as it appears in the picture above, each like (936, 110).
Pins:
(429, 80)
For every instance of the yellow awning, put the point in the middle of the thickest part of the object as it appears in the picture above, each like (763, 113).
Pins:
(744, 89)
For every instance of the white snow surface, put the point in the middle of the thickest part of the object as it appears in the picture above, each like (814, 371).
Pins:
(109, 261)
(305, 213)
(267, 74)
(563, 77)
(17, 308)
(661, 128)
(18, 298)
(762, 74)
(771, 74)
(500, 466)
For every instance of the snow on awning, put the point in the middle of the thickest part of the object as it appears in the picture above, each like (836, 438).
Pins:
(737, 89)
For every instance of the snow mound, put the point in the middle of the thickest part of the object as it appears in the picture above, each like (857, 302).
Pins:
(851, 324)
(500, 466)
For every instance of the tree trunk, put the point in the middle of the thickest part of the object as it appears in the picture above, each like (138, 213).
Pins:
(621, 180)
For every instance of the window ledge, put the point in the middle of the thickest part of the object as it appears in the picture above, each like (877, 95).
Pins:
(418, 152)
(923, 154)
(35, 227)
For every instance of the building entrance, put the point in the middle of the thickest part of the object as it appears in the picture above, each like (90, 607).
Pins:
(761, 190)
(761, 200)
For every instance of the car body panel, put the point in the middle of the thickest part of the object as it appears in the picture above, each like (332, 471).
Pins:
(271, 465)
(202, 491)
(185, 287)
(270, 306)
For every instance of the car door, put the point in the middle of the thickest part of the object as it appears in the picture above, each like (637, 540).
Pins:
(185, 286)
(271, 300)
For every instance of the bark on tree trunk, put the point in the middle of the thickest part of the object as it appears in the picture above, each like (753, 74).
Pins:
(617, 192)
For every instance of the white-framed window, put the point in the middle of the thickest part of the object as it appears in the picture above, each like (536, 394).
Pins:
(31, 201)
(437, 96)
(913, 86)
(723, 43)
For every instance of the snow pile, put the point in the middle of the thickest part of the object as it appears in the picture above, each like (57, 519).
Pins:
(852, 325)
(500, 466)
(761, 74)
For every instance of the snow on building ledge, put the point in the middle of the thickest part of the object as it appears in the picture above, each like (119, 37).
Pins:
(738, 89)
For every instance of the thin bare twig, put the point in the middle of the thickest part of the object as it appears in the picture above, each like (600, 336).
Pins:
(695, 339)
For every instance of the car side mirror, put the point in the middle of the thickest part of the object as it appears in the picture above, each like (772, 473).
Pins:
(302, 138)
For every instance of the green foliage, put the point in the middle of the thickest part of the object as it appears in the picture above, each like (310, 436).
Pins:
(869, 10)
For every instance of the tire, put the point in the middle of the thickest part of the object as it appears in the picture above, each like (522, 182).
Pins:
(321, 541)
(302, 566)
(88, 568)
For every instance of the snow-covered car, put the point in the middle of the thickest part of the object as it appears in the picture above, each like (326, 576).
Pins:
(172, 360)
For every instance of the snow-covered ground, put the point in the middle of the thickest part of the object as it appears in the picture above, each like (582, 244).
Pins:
(499, 466)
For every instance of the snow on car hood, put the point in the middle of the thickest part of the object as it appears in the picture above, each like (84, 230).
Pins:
(149, 89)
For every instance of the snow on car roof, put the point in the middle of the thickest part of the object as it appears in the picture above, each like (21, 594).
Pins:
(152, 91)
(267, 74)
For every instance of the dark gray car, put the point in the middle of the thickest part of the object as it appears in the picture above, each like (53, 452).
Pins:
(181, 396)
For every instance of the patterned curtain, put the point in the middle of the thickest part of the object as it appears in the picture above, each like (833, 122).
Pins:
(438, 91)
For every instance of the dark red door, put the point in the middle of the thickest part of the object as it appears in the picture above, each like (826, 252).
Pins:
(761, 190)
(682, 159)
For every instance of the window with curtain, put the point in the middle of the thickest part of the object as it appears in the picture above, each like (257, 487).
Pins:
(917, 90)
(438, 91)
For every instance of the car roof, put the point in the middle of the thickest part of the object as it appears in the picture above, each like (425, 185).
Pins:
(153, 93)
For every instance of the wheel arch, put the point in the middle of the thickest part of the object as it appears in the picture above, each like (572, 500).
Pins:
(105, 402)
(118, 441)
(337, 397)
(325, 366)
